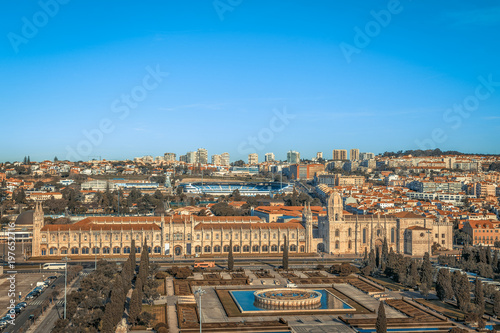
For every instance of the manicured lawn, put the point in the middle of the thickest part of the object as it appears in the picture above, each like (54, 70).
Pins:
(160, 312)
(446, 309)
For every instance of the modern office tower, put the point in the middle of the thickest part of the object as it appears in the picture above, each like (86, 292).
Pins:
(339, 154)
(202, 156)
(354, 154)
(216, 160)
(169, 157)
(269, 157)
(253, 158)
(293, 157)
(319, 155)
(224, 159)
(191, 157)
(366, 156)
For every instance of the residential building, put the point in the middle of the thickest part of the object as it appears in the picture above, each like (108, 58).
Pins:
(269, 157)
(216, 159)
(339, 154)
(366, 156)
(169, 157)
(293, 157)
(191, 157)
(202, 156)
(319, 155)
(305, 171)
(253, 158)
(225, 159)
(354, 154)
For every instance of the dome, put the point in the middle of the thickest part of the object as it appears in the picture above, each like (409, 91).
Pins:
(25, 218)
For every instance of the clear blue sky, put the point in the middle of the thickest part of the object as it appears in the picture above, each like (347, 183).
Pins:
(374, 75)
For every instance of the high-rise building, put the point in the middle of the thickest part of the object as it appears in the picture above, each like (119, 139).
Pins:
(253, 158)
(191, 157)
(202, 156)
(269, 157)
(339, 154)
(319, 155)
(183, 158)
(169, 157)
(366, 156)
(224, 159)
(216, 160)
(293, 157)
(354, 154)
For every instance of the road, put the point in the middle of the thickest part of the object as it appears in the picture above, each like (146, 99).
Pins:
(23, 317)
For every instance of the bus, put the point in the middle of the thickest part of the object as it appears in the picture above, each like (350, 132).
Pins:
(54, 266)
(204, 264)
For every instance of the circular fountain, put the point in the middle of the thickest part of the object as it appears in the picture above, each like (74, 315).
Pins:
(285, 298)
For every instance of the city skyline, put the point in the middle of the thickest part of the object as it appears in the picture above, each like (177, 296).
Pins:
(368, 76)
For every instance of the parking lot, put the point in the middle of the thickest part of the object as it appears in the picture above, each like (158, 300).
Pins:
(25, 282)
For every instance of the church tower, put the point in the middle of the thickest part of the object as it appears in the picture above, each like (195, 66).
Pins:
(335, 216)
(37, 227)
(307, 219)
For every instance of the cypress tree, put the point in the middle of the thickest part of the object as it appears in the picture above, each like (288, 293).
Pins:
(461, 289)
(136, 301)
(479, 297)
(426, 277)
(230, 258)
(381, 324)
(444, 289)
(132, 256)
(285, 255)
(496, 304)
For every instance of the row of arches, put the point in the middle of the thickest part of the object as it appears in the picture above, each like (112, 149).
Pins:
(246, 248)
(97, 250)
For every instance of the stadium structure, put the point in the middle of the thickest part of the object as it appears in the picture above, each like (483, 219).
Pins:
(248, 189)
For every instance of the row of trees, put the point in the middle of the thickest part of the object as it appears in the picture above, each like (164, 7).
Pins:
(101, 300)
(475, 259)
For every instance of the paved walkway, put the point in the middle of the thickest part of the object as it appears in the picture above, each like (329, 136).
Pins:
(173, 327)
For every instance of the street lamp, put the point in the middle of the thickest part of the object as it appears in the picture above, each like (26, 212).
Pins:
(200, 292)
(65, 281)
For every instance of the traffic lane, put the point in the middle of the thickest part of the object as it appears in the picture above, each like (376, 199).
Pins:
(23, 317)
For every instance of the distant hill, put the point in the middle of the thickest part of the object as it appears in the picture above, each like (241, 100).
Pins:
(420, 153)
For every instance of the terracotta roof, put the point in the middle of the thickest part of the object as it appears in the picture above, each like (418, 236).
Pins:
(90, 226)
(407, 215)
(262, 225)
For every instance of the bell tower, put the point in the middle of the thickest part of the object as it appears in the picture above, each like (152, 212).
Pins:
(37, 227)
(307, 219)
(335, 215)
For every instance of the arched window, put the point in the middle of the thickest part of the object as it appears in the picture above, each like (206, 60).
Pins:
(337, 233)
(44, 252)
(226, 248)
(302, 248)
(255, 248)
(197, 249)
(95, 250)
(364, 235)
(64, 250)
(207, 248)
(349, 245)
(282, 248)
(393, 234)
(74, 250)
(157, 250)
(53, 250)
(137, 249)
(293, 247)
(217, 248)
(265, 248)
(349, 232)
(274, 248)
(293, 235)
(116, 250)
(246, 248)
(105, 250)
(274, 236)
(236, 248)
(337, 245)
(178, 250)
(85, 250)
(149, 249)
(126, 249)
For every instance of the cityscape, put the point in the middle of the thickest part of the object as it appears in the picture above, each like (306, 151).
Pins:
(248, 166)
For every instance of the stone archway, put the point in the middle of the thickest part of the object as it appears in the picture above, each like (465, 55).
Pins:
(178, 250)
(321, 247)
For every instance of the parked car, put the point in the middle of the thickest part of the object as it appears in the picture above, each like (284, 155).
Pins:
(22, 304)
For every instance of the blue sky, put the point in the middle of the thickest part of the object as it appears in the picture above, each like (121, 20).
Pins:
(247, 76)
